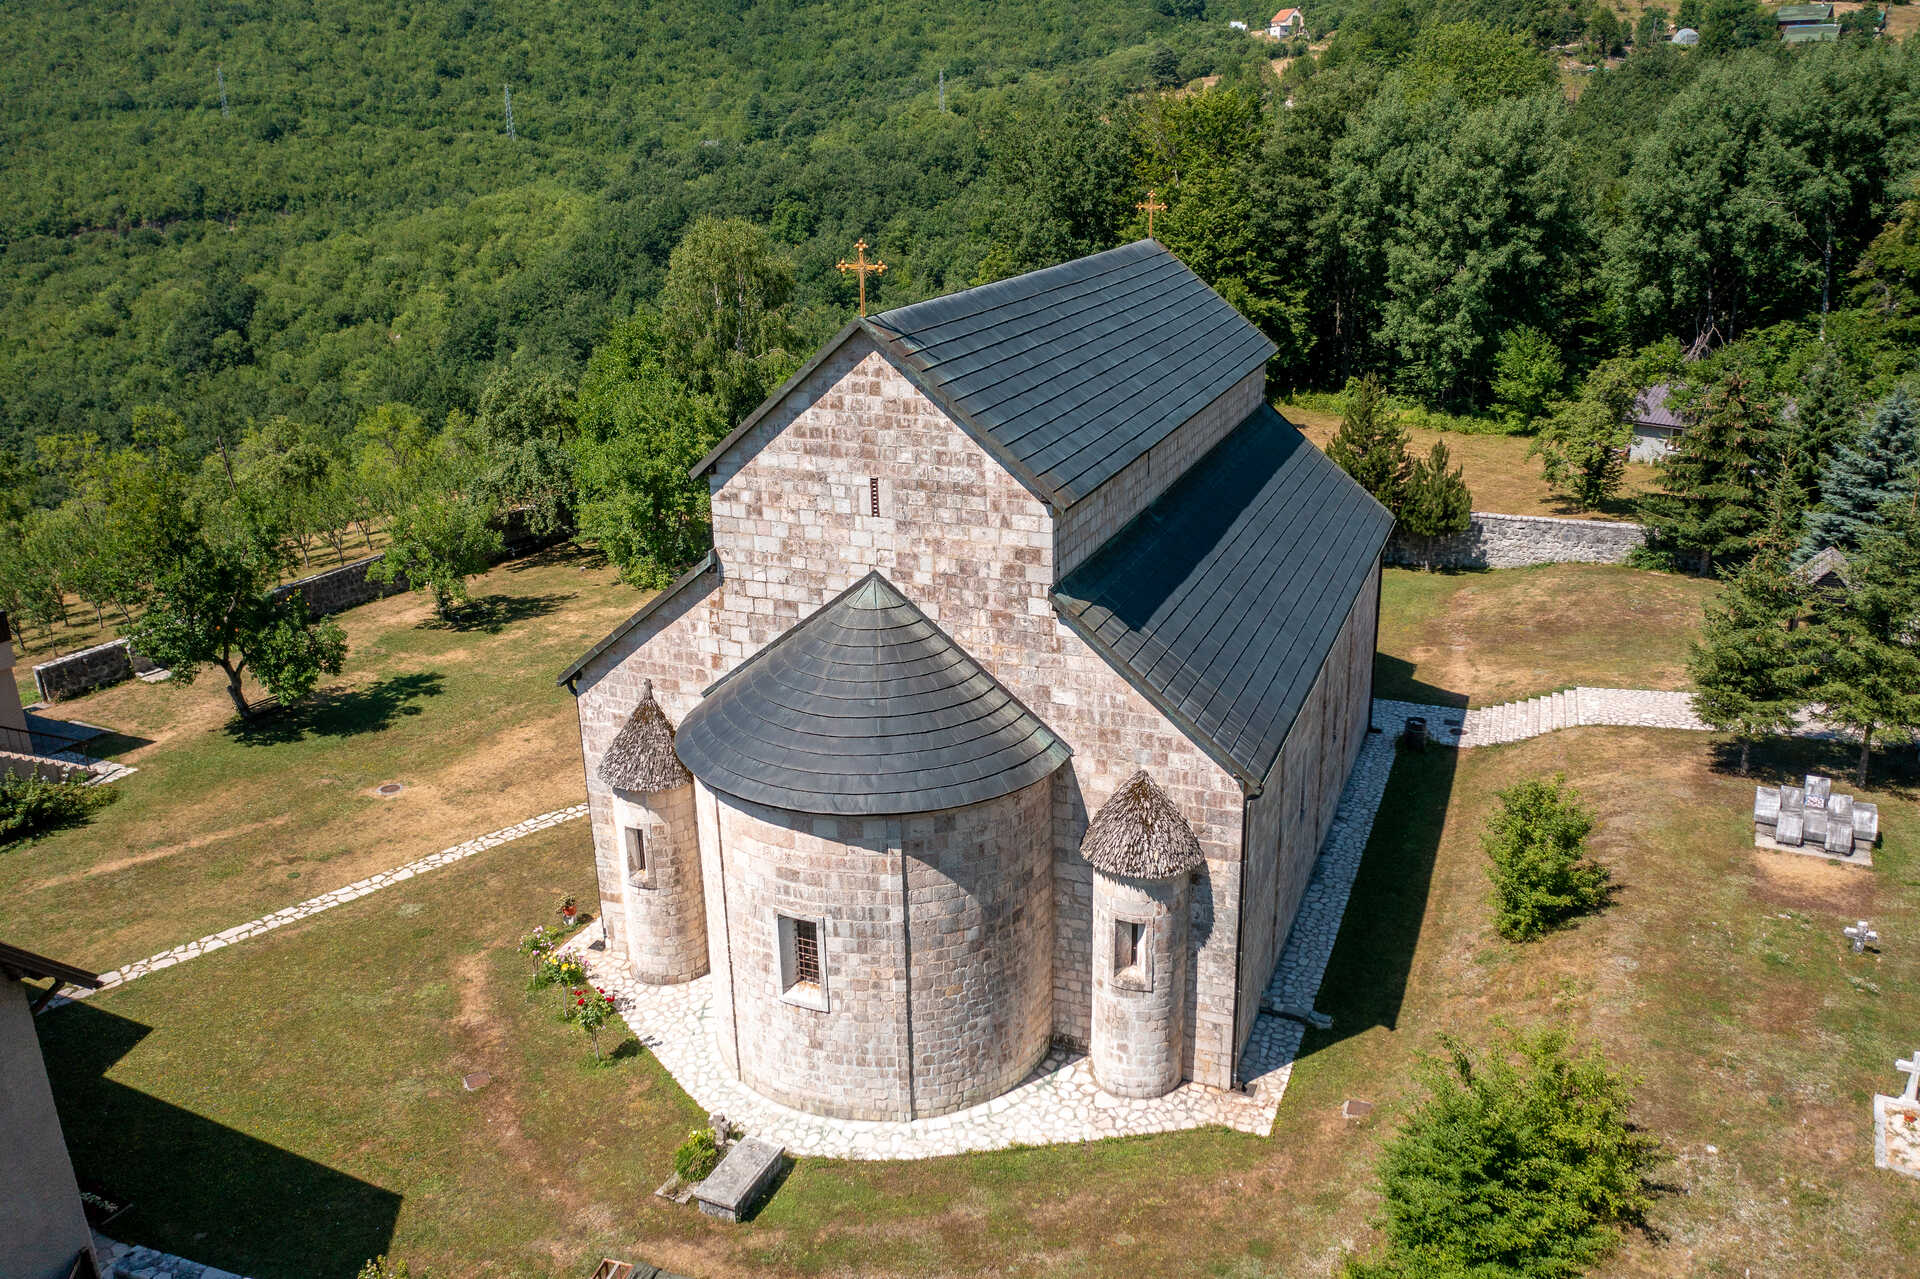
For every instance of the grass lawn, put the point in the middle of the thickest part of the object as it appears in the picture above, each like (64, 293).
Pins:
(1481, 638)
(226, 822)
(310, 1079)
(1497, 469)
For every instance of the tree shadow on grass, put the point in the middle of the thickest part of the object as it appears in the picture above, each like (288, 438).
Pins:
(1785, 761)
(563, 554)
(1366, 979)
(341, 712)
(197, 1188)
(491, 614)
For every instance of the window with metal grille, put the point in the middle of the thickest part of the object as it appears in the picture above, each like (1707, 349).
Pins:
(803, 978)
(873, 495)
(806, 953)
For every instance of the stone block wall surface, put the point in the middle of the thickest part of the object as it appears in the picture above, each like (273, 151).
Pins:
(666, 913)
(1084, 527)
(1514, 541)
(1139, 1021)
(342, 588)
(89, 668)
(980, 947)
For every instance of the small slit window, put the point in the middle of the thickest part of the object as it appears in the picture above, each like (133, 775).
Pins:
(1132, 966)
(873, 495)
(637, 857)
(803, 975)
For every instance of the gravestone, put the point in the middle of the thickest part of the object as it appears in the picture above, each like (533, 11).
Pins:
(1861, 936)
(729, 1193)
(1896, 1124)
(1812, 819)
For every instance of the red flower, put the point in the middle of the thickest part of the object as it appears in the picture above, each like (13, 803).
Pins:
(583, 1003)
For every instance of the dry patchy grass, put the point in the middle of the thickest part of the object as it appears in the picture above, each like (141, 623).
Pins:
(1497, 469)
(1487, 637)
(223, 822)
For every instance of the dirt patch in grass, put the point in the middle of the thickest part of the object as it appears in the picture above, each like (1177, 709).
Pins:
(1498, 471)
(1488, 637)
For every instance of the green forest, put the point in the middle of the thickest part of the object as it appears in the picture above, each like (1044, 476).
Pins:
(305, 269)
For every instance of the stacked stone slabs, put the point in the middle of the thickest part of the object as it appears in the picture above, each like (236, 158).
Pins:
(663, 924)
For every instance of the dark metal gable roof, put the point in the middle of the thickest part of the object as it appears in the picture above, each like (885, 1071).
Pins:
(865, 708)
(1223, 598)
(25, 964)
(1078, 369)
(1067, 374)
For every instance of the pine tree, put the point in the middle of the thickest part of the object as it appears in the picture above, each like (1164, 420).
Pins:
(1437, 500)
(1713, 500)
(1826, 417)
(1869, 647)
(1750, 668)
(1371, 445)
(1862, 477)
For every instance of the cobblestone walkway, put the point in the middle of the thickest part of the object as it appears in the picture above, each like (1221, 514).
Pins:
(135, 1261)
(1057, 1103)
(1517, 721)
(327, 901)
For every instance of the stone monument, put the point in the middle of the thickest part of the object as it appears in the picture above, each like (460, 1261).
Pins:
(1810, 818)
(1896, 1124)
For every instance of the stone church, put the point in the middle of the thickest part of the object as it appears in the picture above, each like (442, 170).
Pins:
(1010, 708)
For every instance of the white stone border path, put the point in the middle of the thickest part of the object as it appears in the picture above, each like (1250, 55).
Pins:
(1572, 708)
(137, 1261)
(327, 901)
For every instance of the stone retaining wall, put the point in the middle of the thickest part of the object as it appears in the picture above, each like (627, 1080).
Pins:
(88, 669)
(339, 589)
(1511, 541)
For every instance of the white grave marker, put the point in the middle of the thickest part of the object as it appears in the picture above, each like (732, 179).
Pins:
(1861, 936)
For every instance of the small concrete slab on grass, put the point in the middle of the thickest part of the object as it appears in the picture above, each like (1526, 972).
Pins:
(729, 1193)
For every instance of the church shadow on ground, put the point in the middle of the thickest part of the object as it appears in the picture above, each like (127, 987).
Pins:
(1366, 979)
(196, 1188)
(1393, 678)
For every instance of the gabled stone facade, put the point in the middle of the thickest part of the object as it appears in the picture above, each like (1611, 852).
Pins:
(979, 552)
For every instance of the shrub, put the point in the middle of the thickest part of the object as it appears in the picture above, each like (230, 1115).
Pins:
(381, 1268)
(697, 1156)
(1535, 842)
(1523, 1163)
(539, 944)
(32, 805)
(591, 1010)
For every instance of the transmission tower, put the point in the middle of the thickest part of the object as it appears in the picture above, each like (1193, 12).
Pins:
(506, 92)
(943, 88)
(221, 75)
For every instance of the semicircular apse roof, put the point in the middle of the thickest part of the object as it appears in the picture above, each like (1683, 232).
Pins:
(866, 708)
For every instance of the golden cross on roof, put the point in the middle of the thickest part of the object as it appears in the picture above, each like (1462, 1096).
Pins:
(861, 267)
(1152, 205)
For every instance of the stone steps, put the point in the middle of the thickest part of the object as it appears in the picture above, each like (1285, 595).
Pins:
(1569, 708)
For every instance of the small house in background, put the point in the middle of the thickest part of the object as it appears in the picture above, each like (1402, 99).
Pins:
(1826, 572)
(1287, 24)
(1236, 25)
(1656, 427)
(1686, 36)
(1803, 15)
(43, 1224)
(1811, 33)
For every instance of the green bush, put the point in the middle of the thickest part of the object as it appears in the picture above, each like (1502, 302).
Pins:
(1536, 843)
(32, 805)
(697, 1156)
(1523, 1163)
(381, 1268)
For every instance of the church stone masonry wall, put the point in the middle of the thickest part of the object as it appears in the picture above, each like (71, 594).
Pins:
(666, 919)
(974, 550)
(1083, 528)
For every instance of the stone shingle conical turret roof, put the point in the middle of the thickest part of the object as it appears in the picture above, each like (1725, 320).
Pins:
(641, 757)
(1140, 834)
(863, 709)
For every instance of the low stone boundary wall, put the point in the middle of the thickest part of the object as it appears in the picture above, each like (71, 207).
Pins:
(88, 669)
(339, 589)
(1512, 541)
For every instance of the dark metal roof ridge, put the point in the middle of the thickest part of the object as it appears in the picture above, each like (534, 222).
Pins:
(25, 963)
(707, 563)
